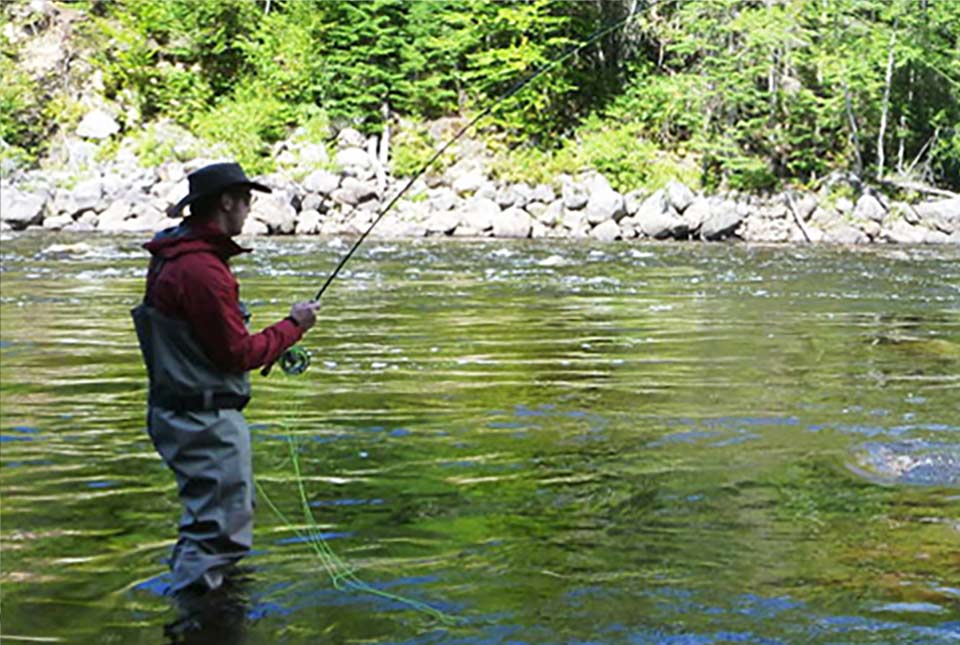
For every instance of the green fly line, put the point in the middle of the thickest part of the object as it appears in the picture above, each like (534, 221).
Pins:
(341, 574)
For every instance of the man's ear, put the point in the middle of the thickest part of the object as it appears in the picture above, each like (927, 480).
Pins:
(225, 202)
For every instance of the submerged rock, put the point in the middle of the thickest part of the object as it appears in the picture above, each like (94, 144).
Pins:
(912, 461)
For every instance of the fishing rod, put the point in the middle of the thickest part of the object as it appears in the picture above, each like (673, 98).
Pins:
(296, 359)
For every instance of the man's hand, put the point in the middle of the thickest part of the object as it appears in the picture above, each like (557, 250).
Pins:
(305, 314)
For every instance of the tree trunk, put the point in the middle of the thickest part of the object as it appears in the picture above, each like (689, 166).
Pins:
(884, 110)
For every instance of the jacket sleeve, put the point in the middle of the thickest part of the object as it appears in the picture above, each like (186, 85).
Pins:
(211, 304)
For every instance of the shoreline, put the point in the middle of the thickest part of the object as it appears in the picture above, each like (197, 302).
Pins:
(316, 195)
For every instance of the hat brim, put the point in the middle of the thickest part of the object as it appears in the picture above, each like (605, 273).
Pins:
(177, 209)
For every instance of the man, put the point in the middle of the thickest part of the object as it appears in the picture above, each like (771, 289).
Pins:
(192, 332)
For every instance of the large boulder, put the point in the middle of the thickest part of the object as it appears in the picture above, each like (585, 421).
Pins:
(350, 138)
(97, 124)
(513, 222)
(443, 223)
(574, 196)
(308, 222)
(479, 213)
(85, 195)
(943, 214)
(276, 212)
(845, 234)
(468, 182)
(869, 207)
(542, 193)
(604, 202)
(441, 198)
(20, 209)
(679, 195)
(353, 161)
(697, 213)
(321, 182)
(606, 231)
(901, 231)
(112, 218)
(724, 220)
(656, 218)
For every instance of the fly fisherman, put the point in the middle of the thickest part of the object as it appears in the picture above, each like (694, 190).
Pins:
(192, 331)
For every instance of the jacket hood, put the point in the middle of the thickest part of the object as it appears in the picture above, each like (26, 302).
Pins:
(193, 237)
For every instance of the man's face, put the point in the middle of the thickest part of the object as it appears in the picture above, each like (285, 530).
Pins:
(236, 207)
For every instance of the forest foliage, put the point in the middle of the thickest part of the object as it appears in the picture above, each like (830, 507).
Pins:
(745, 94)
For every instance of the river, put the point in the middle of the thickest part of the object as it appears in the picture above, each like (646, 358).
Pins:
(547, 441)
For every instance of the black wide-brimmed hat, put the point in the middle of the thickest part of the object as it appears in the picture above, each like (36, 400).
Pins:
(214, 179)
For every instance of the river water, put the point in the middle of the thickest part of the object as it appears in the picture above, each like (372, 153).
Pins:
(550, 442)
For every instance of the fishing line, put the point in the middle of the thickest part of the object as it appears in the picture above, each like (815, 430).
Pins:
(519, 85)
(341, 574)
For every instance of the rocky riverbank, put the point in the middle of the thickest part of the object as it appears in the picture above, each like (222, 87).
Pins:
(315, 194)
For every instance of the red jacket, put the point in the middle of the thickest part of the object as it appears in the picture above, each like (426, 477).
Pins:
(194, 283)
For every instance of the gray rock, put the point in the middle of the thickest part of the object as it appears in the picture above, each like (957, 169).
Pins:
(313, 201)
(574, 220)
(513, 222)
(845, 234)
(722, 222)
(869, 207)
(606, 231)
(443, 222)
(552, 215)
(507, 197)
(57, 222)
(308, 222)
(936, 237)
(276, 212)
(345, 196)
(697, 213)
(604, 202)
(805, 204)
(902, 210)
(901, 231)
(21, 209)
(679, 195)
(469, 182)
(322, 182)
(536, 210)
(574, 196)
(943, 214)
(90, 218)
(479, 213)
(633, 200)
(363, 190)
(254, 227)
(442, 198)
(657, 219)
(81, 155)
(825, 218)
(116, 212)
(758, 229)
(350, 138)
(487, 190)
(97, 124)
(542, 193)
(353, 160)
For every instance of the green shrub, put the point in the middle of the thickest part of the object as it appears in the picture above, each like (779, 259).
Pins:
(246, 126)
(409, 150)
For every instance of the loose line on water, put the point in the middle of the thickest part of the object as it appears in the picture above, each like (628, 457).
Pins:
(340, 572)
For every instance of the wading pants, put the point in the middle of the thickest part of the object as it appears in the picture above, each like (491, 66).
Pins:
(209, 452)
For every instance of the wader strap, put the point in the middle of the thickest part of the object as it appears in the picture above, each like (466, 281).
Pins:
(199, 402)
